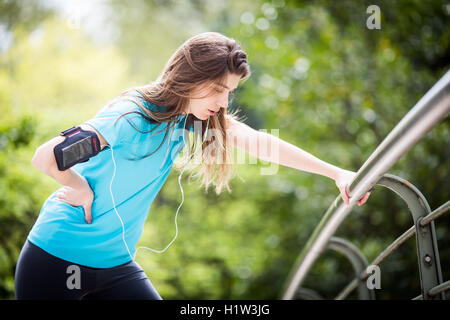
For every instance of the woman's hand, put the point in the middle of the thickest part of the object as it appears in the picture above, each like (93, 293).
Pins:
(343, 180)
(83, 196)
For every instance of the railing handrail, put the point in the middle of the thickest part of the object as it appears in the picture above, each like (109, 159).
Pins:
(435, 214)
(393, 246)
(436, 290)
(428, 111)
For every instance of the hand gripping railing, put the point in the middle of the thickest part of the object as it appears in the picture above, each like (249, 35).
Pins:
(428, 111)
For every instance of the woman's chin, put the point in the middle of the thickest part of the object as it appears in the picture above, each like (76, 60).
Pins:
(201, 116)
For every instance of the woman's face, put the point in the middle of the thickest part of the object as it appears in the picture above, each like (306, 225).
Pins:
(218, 98)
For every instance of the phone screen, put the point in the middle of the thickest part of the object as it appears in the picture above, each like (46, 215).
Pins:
(77, 151)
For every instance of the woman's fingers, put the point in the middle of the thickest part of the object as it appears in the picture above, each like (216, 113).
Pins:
(347, 192)
(61, 194)
(366, 196)
(344, 195)
(363, 199)
(76, 198)
(87, 213)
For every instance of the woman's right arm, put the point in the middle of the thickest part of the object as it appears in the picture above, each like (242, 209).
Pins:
(77, 191)
(44, 161)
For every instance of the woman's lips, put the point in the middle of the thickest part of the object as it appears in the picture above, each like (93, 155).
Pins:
(211, 112)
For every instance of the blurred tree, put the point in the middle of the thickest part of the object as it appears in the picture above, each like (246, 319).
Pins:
(18, 201)
(28, 15)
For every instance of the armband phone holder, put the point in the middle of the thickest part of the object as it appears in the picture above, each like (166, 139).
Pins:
(79, 146)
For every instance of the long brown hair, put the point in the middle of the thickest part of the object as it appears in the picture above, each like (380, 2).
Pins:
(203, 59)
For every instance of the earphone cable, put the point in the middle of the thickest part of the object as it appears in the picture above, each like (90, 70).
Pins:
(176, 215)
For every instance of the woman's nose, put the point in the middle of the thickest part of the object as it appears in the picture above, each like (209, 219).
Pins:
(223, 103)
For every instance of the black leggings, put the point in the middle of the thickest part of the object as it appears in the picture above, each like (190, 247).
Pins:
(40, 275)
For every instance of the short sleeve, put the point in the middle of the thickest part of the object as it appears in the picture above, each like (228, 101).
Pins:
(120, 122)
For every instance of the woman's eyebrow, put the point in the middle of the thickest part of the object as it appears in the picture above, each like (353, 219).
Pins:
(224, 86)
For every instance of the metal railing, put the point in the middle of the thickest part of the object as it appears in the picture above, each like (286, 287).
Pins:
(428, 111)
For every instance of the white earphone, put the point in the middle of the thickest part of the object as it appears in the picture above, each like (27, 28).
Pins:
(182, 197)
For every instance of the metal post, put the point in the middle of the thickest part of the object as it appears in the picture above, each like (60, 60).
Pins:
(358, 262)
(427, 249)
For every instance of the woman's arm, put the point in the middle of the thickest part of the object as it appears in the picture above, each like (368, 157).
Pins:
(270, 148)
(44, 161)
(76, 191)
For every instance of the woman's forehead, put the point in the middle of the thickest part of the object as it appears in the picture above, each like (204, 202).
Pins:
(229, 82)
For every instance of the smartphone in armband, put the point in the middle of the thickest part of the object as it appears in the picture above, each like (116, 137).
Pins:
(79, 145)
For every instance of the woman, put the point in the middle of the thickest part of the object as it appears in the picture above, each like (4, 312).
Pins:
(82, 244)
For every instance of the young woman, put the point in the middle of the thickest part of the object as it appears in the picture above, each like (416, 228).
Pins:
(82, 245)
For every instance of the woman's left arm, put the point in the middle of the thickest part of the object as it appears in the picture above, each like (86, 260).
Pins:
(267, 147)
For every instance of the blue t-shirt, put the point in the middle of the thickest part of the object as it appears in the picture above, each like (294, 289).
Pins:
(60, 228)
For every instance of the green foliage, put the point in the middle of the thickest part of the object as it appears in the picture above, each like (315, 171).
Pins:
(18, 201)
(330, 85)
